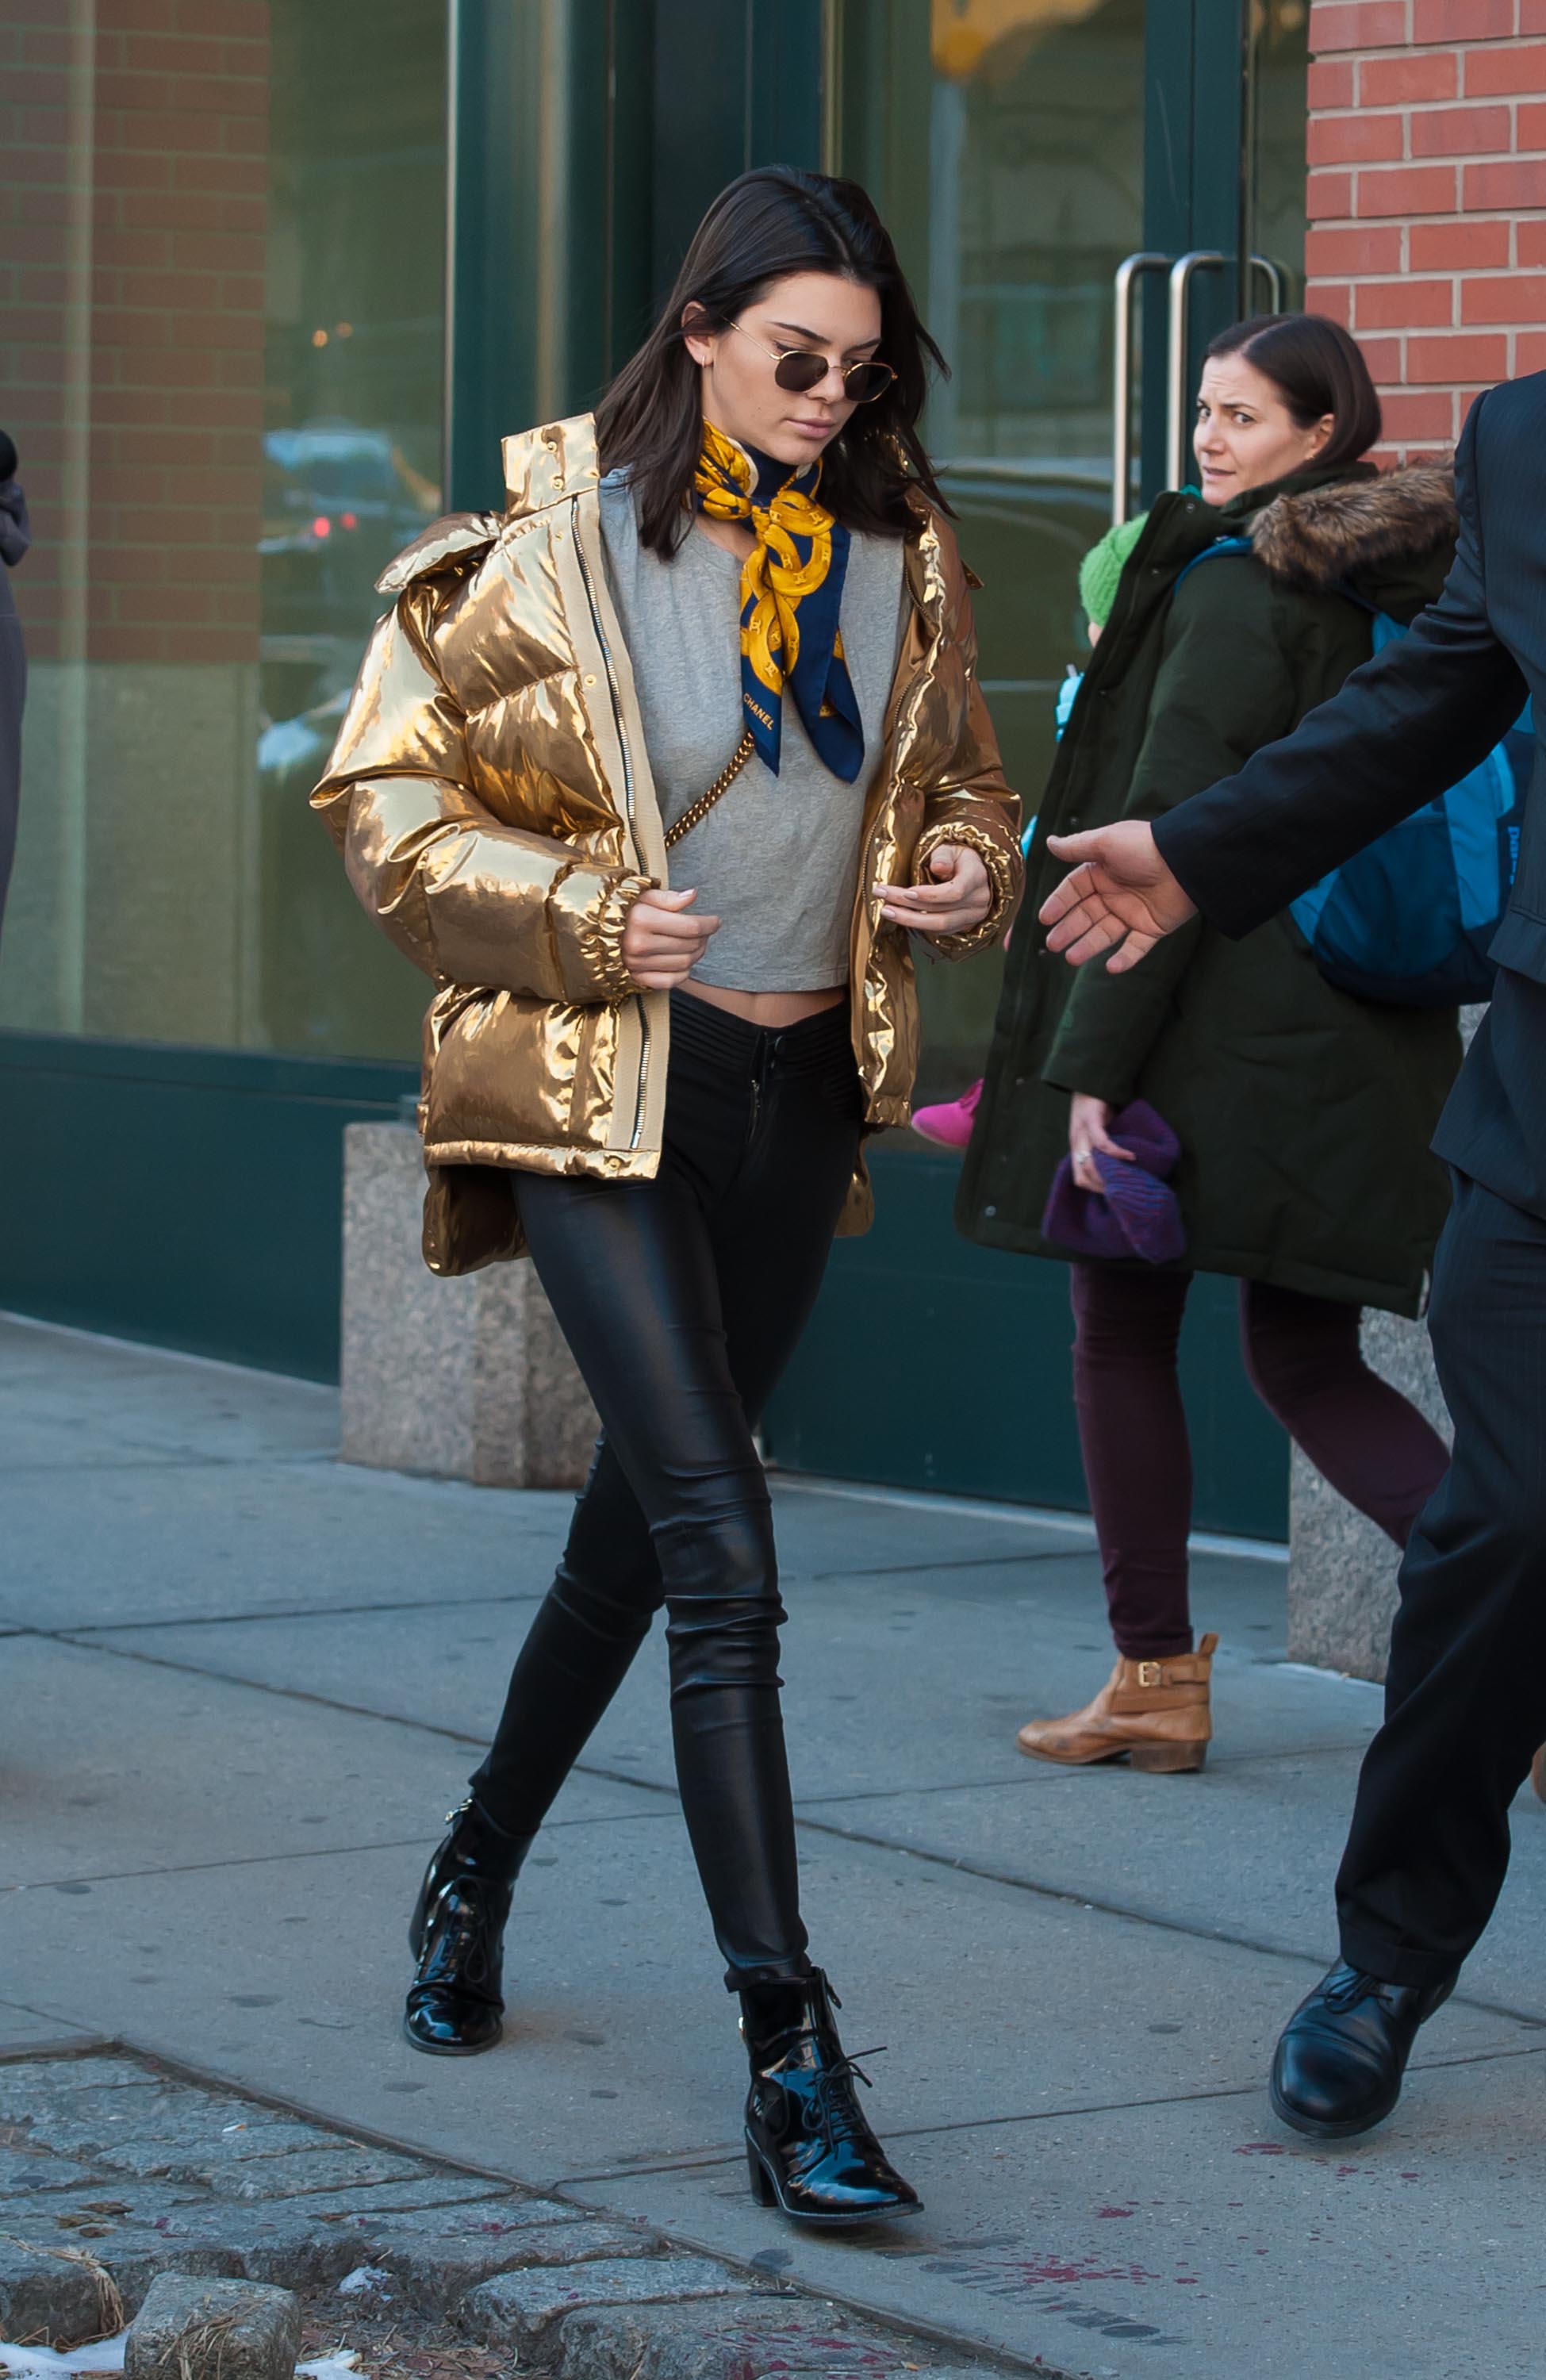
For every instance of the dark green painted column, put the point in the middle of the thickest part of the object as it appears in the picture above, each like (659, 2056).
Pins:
(549, 245)
(489, 261)
(1193, 184)
(587, 138)
(734, 87)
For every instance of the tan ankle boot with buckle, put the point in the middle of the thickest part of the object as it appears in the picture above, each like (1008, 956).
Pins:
(1155, 1712)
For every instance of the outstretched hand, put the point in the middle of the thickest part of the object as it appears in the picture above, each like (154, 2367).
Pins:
(1120, 897)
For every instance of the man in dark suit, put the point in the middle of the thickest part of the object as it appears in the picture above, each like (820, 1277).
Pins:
(1465, 1694)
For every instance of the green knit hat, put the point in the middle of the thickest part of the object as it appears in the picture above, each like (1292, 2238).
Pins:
(1102, 567)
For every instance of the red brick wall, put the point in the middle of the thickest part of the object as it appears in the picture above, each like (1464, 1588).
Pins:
(35, 94)
(1427, 198)
(177, 93)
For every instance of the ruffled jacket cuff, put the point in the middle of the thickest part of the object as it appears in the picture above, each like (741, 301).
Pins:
(595, 930)
(1006, 874)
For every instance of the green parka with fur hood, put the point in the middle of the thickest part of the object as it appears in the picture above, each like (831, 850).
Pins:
(1304, 1115)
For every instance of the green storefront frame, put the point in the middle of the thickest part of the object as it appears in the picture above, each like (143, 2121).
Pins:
(192, 1197)
(189, 1197)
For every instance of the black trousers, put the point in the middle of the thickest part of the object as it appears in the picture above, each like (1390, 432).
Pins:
(682, 1299)
(1465, 1696)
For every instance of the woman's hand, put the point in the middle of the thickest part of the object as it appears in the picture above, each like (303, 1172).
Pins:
(959, 899)
(661, 944)
(1089, 1129)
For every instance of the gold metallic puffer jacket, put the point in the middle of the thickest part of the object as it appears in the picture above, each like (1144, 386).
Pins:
(490, 794)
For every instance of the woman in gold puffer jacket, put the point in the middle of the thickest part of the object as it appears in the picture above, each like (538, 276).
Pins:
(667, 1107)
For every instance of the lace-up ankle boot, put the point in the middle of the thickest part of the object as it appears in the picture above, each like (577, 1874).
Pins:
(1157, 1713)
(1338, 2066)
(456, 1935)
(808, 2148)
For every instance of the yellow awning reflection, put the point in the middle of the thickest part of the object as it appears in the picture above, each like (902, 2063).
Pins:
(963, 33)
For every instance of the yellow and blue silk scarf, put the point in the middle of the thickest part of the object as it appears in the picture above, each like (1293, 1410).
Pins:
(792, 587)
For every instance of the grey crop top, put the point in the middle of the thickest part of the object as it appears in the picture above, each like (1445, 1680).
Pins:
(777, 858)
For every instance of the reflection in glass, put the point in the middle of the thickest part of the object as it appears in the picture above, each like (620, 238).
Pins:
(353, 424)
(1278, 99)
(1003, 141)
(229, 417)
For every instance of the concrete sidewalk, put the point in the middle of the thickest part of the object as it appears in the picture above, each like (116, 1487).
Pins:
(243, 1683)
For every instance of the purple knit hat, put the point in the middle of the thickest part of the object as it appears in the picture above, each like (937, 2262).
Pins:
(1137, 1215)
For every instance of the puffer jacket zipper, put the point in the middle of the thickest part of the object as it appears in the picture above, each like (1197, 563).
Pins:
(637, 1134)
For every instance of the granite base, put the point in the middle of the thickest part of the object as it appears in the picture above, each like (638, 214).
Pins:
(460, 1380)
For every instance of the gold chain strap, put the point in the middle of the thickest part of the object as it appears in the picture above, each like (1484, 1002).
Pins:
(705, 803)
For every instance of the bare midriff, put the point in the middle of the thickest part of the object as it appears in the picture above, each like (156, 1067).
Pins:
(769, 1010)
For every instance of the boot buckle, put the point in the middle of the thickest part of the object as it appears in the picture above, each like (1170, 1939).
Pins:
(1151, 1673)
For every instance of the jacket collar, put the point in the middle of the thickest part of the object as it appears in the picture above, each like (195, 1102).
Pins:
(546, 466)
(1400, 526)
(1242, 509)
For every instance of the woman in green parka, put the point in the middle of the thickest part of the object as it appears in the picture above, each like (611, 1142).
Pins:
(1303, 1114)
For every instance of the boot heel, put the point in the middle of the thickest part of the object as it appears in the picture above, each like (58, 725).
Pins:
(1168, 1758)
(760, 2180)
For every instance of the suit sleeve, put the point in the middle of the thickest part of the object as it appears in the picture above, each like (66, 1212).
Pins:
(1224, 687)
(1404, 729)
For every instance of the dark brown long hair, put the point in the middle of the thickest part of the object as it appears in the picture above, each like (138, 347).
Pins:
(1317, 368)
(766, 225)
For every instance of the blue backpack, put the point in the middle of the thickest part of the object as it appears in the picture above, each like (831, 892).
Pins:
(1408, 920)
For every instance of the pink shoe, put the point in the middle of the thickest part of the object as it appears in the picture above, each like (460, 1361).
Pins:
(951, 1126)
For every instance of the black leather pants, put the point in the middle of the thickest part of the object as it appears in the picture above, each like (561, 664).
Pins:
(682, 1299)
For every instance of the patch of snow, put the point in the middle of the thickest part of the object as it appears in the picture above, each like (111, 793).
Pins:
(49, 2363)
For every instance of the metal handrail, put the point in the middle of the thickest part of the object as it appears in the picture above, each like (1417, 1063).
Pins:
(1129, 273)
(1277, 286)
(1182, 274)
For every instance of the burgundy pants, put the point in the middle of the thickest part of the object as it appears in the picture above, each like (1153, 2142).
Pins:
(1302, 1357)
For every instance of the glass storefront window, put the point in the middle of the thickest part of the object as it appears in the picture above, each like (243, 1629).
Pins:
(1003, 141)
(1278, 98)
(227, 261)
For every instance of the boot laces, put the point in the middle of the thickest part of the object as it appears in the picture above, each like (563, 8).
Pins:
(841, 2111)
(457, 1949)
(1349, 1990)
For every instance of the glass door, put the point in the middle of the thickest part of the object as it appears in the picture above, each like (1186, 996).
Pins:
(1070, 263)
(1073, 185)
(1003, 141)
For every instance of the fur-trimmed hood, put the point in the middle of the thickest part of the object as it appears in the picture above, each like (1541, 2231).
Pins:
(1356, 528)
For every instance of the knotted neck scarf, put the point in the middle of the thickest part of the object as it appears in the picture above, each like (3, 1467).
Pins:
(792, 587)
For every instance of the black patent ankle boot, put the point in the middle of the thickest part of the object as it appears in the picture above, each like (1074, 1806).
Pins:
(456, 1935)
(809, 2151)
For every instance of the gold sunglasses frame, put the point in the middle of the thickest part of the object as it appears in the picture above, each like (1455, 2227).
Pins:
(780, 355)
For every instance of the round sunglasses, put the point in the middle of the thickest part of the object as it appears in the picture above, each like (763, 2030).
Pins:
(801, 370)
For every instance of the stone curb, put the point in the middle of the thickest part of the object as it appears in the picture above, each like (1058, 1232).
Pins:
(112, 2171)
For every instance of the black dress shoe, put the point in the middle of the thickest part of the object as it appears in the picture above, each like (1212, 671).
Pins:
(1337, 2070)
(456, 1935)
(809, 2151)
